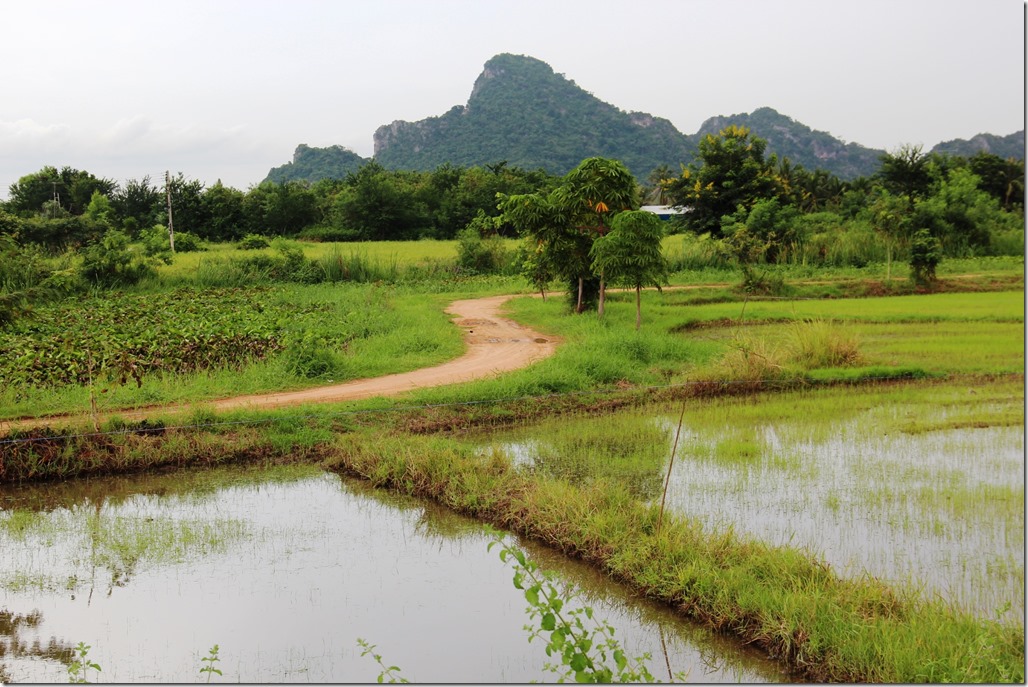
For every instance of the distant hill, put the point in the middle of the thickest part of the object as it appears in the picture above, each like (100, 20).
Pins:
(801, 144)
(521, 111)
(1003, 146)
(315, 164)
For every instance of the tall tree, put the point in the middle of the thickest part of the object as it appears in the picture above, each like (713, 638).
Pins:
(730, 171)
(588, 196)
(72, 188)
(631, 254)
(906, 172)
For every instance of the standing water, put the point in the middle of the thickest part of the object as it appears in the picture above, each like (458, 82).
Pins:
(285, 569)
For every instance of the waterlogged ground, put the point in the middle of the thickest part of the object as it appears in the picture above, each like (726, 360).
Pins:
(284, 570)
(922, 486)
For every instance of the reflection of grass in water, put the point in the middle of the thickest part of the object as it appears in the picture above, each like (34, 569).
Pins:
(627, 448)
(88, 538)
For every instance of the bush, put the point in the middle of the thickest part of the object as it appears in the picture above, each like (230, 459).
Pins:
(111, 262)
(253, 242)
(480, 250)
(925, 256)
(325, 234)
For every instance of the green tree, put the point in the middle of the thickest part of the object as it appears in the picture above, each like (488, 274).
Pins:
(99, 209)
(378, 205)
(223, 208)
(963, 216)
(280, 209)
(187, 208)
(906, 172)
(731, 172)
(1002, 179)
(588, 196)
(555, 247)
(925, 256)
(137, 204)
(630, 254)
(890, 217)
(72, 188)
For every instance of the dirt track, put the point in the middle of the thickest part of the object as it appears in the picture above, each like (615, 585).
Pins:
(494, 345)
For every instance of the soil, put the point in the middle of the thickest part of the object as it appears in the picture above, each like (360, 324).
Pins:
(495, 344)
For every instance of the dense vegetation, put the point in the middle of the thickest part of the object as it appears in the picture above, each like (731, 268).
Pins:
(314, 164)
(521, 111)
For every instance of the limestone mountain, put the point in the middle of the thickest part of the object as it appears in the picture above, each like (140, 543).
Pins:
(799, 143)
(1003, 146)
(522, 112)
(314, 164)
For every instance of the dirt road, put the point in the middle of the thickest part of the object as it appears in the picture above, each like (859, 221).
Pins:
(494, 344)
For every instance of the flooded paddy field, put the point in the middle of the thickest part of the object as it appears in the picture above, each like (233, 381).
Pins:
(285, 569)
(920, 486)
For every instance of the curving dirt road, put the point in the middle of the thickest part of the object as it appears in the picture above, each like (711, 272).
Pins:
(495, 344)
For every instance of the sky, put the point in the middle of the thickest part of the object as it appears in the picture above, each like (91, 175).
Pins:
(226, 89)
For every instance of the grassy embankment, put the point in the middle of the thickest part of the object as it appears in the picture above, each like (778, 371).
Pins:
(824, 627)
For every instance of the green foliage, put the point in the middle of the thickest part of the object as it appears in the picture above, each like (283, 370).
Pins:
(252, 242)
(134, 336)
(310, 356)
(313, 164)
(208, 663)
(584, 645)
(925, 256)
(731, 173)
(78, 670)
(110, 262)
(964, 217)
(389, 674)
(480, 250)
(631, 254)
(71, 189)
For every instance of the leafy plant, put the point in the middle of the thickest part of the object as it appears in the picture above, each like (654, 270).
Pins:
(585, 645)
(209, 661)
(925, 256)
(78, 670)
(390, 674)
(253, 242)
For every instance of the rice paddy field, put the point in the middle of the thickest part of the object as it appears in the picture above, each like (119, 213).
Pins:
(920, 486)
(842, 478)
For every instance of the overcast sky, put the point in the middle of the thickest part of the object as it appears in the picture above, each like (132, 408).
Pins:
(225, 89)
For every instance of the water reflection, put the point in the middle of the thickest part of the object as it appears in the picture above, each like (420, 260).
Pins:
(20, 642)
(293, 567)
(888, 483)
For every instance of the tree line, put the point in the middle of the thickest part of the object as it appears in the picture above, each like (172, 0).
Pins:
(583, 228)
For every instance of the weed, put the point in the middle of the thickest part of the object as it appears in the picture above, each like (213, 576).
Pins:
(208, 663)
(78, 670)
(390, 674)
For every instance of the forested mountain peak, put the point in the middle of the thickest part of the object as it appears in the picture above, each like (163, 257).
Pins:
(521, 111)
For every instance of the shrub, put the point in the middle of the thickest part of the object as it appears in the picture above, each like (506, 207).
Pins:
(253, 242)
(480, 249)
(925, 256)
(111, 262)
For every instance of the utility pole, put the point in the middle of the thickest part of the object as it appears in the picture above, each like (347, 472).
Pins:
(167, 193)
